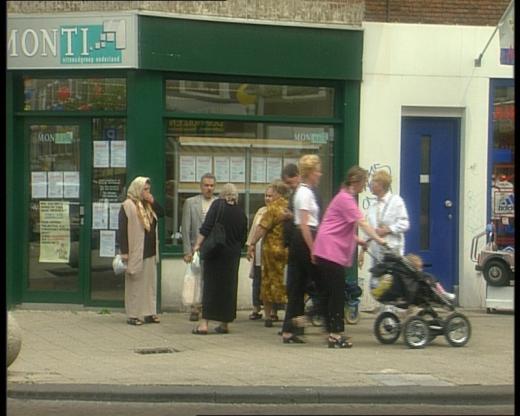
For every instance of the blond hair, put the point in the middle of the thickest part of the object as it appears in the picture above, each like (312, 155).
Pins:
(308, 164)
(229, 193)
(414, 260)
(279, 187)
(384, 178)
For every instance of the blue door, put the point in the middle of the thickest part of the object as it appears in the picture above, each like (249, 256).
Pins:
(429, 187)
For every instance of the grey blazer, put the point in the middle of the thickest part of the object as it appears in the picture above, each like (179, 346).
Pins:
(191, 221)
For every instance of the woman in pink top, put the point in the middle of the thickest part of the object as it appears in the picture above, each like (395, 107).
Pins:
(333, 250)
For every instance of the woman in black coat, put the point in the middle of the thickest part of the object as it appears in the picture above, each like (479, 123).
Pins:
(220, 272)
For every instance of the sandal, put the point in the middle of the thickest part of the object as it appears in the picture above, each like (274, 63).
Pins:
(152, 319)
(134, 321)
(198, 331)
(340, 342)
(221, 330)
(293, 339)
(254, 316)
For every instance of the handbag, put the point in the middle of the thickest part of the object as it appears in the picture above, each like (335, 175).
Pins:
(213, 243)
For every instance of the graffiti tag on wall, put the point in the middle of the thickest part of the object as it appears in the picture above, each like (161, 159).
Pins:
(370, 199)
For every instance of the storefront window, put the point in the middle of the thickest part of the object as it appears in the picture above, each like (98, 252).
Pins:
(502, 161)
(75, 94)
(248, 99)
(247, 154)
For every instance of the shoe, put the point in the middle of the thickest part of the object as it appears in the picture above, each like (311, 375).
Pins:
(254, 316)
(340, 342)
(268, 323)
(221, 330)
(194, 316)
(197, 331)
(134, 321)
(450, 296)
(293, 339)
(274, 317)
(152, 319)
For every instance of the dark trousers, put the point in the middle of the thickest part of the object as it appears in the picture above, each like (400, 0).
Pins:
(300, 273)
(332, 294)
(257, 275)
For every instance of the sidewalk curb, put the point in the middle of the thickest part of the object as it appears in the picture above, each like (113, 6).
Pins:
(459, 395)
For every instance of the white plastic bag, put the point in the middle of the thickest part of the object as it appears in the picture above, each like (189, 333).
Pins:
(192, 288)
(195, 263)
(118, 265)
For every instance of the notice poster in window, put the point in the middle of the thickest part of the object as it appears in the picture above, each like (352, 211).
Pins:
(274, 168)
(187, 169)
(114, 208)
(238, 169)
(258, 170)
(54, 232)
(38, 185)
(71, 184)
(107, 243)
(55, 185)
(99, 215)
(101, 154)
(222, 169)
(118, 154)
(289, 160)
(203, 166)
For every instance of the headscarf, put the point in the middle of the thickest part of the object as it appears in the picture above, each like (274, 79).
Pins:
(145, 213)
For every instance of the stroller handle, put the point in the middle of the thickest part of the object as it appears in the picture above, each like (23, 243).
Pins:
(384, 247)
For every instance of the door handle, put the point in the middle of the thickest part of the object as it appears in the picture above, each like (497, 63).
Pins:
(448, 203)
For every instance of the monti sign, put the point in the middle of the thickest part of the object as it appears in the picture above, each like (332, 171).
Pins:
(72, 41)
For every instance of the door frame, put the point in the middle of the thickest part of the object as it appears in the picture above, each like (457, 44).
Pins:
(81, 296)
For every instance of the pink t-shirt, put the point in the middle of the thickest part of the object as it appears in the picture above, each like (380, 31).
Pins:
(335, 240)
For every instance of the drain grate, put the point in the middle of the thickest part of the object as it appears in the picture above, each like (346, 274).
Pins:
(157, 350)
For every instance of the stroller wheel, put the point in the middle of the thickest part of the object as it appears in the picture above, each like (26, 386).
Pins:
(416, 332)
(457, 330)
(387, 328)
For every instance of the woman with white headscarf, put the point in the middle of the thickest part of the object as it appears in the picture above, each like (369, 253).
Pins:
(139, 245)
(220, 272)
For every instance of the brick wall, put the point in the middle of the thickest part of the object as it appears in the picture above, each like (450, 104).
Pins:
(452, 12)
(347, 12)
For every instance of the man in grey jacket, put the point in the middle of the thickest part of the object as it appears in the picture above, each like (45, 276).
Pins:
(193, 214)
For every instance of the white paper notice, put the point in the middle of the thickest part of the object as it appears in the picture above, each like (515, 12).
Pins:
(203, 166)
(258, 170)
(222, 169)
(55, 189)
(101, 154)
(54, 232)
(118, 154)
(38, 185)
(99, 215)
(238, 169)
(187, 167)
(107, 243)
(288, 160)
(71, 184)
(114, 208)
(274, 168)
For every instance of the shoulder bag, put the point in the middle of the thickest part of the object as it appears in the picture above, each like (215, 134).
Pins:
(215, 241)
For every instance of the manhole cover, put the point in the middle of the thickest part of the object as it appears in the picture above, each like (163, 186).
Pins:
(157, 350)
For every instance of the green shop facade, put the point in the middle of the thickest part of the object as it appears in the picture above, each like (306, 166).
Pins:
(94, 100)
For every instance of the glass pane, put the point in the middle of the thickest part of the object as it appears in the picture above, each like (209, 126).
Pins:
(249, 99)
(250, 155)
(54, 221)
(425, 192)
(75, 94)
(108, 191)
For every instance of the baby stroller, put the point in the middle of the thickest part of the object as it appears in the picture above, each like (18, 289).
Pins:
(352, 294)
(395, 281)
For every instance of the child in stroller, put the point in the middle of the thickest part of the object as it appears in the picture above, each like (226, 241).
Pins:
(399, 280)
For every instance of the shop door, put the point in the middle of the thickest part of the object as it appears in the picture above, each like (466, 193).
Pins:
(57, 194)
(429, 187)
